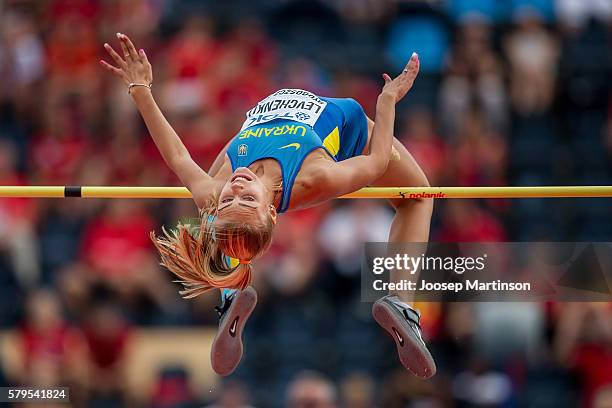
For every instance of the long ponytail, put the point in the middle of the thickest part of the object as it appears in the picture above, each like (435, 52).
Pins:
(198, 254)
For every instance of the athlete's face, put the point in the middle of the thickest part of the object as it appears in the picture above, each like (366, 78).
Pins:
(244, 198)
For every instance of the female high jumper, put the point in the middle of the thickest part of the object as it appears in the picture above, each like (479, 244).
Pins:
(295, 150)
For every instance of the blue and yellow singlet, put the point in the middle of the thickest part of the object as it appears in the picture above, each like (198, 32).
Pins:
(289, 124)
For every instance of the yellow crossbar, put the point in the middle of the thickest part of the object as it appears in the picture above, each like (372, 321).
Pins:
(369, 192)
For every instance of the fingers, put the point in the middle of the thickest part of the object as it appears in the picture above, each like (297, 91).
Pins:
(111, 68)
(143, 57)
(125, 41)
(118, 60)
(412, 68)
(410, 71)
(124, 49)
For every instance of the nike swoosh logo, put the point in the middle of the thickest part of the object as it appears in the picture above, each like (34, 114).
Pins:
(296, 145)
(400, 339)
(232, 330)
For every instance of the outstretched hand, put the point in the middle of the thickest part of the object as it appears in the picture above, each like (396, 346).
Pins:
(134, 67)
(400, 86)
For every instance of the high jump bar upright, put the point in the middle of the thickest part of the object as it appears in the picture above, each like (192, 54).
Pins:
(369, 192)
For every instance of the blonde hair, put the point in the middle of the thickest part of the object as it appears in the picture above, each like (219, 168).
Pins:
(197, 254)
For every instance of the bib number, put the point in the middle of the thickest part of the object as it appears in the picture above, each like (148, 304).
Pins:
(290, 104)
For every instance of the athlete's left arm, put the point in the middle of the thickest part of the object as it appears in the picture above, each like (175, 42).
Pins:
(338, 178)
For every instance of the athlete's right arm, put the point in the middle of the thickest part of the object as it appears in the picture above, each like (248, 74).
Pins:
(219, 160)
(135, 68)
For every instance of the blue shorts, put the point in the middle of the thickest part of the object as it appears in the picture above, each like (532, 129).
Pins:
(343, 128)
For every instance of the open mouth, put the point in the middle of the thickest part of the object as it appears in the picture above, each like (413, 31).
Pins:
(240, 175)
(236, 178)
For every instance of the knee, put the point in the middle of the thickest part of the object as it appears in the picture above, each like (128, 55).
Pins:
(422, 181)
(425, 205)
(422, 205)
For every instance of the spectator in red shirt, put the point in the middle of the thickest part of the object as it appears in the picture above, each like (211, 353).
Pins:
(480, 155)
(464, 221)
(173, 388)
(260, 50)
(107, 336)
(72, 47)
(425, 145)
(71, 54)
(188, 57)
(584, 344)
(46, 341)
(116, 242)
(86, 10)
(117, 250)
(57, 151)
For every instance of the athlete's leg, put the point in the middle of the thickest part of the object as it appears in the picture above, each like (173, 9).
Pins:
(236, 307)
(234, 311)
(412, 216)
(411, 224)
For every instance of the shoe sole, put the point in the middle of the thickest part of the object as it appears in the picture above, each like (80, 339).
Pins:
(413, 355)
(226, 351)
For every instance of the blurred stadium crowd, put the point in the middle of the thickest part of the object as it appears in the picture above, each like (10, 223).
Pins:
(510, 93)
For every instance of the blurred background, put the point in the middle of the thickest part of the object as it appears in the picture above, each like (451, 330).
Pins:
(510, 92)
